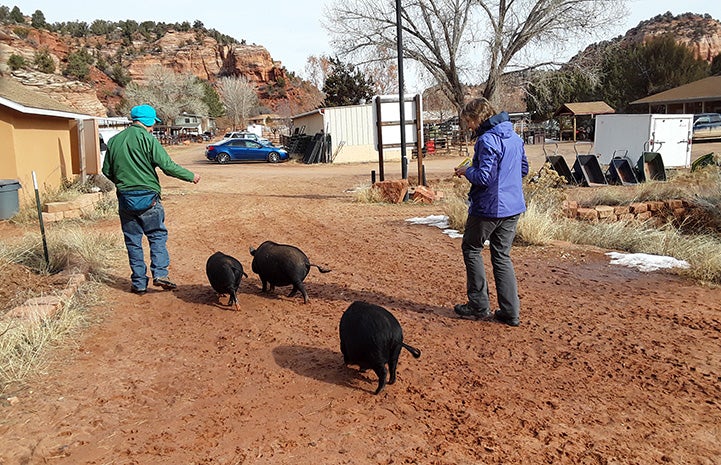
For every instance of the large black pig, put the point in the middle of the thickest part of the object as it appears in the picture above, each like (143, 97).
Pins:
(371, 337)
(224, 273)
(282, 265)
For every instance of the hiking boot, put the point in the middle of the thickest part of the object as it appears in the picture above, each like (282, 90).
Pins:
(138, 291)
(466, 311)
(165, 283)
(501, 317)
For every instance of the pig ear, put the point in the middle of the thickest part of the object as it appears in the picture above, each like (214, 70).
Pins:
(252, 250)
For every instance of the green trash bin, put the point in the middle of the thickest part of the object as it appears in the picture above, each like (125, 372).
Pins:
(9, 200)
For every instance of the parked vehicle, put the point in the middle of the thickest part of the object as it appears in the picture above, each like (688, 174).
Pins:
(244, 150)
(246, 135)
(706, 126)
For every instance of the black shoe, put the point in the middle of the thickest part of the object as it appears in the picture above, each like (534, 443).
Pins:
(501, 317)
(135, 290)
(165, 283)
(466, 311)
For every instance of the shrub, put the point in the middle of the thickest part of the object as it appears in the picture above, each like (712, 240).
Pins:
(16, 62)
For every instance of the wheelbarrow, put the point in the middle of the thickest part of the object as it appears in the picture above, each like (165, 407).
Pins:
(587, 168)
(620, 171)
(559, 165)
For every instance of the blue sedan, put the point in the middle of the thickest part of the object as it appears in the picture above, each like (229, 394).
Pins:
(244, 150)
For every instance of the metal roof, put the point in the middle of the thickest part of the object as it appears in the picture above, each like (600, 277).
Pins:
(584, 108)
(16, 96)
(702, 90)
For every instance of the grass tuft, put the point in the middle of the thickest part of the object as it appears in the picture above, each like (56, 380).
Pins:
(69, 248)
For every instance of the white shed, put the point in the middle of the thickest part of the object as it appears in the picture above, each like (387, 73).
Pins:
(351, 132)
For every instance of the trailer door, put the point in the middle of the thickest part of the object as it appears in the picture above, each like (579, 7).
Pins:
(671, 138)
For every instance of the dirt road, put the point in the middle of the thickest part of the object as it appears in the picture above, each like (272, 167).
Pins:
(609, 365)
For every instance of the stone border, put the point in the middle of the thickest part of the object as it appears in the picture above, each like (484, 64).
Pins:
(36, 309)
(658, 210)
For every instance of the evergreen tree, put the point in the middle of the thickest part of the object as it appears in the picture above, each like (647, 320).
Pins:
(78, 66)
(345, 85)
(16, 16)
(716, 65)
(640, 70)
(212, 100)
(37, 20)
(44, 62)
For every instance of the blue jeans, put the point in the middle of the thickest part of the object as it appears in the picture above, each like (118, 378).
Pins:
(500, 233)
(151, 224)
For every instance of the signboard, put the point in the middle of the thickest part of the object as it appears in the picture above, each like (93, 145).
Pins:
(386, 116)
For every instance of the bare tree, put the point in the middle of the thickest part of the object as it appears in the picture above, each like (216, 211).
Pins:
(238, 97)
(169, 92)
(466, 40)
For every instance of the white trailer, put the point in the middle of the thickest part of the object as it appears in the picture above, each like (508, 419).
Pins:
(632, 135)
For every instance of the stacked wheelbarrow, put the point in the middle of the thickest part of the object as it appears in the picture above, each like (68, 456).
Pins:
(587, 170)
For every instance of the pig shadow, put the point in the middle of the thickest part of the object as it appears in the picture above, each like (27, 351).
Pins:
(320, 364)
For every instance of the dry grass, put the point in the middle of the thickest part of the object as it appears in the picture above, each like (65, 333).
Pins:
(25, 346)
(366, 193)
(69, 248)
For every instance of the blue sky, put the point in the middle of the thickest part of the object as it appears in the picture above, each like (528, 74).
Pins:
(289, 29)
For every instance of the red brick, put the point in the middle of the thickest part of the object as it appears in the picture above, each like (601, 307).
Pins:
(638, 207)
(643, 216)
(621, 209)
(674, 204)
(587, 214)
(604, 211)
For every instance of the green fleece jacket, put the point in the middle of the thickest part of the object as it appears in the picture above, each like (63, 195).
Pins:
(131, 159)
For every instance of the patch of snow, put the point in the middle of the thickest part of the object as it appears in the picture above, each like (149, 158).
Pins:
(645, 262)
(439, 221)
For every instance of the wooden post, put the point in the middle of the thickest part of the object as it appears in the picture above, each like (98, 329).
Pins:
(419, 139)
(379, 130)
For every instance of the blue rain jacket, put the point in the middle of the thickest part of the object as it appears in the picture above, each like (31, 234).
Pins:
(496, 175)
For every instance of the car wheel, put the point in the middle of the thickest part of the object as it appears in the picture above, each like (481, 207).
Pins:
(222, 158)
(273, 157)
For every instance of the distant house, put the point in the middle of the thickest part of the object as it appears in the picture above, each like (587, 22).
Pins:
(193, 124)
(44, 136)
(702, 96)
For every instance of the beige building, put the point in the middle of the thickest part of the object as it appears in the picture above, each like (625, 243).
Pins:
(41, 135)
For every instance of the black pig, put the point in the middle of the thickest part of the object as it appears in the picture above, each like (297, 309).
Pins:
(224, 273)
(282, 265)
(371, 337)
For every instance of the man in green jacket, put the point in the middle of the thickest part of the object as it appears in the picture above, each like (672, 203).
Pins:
(130, 163)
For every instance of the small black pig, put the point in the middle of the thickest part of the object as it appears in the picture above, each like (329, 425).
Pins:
(224, 273)
(371, 337)
(282, 265)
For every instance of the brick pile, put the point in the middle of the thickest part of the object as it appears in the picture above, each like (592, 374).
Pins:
(76, 208)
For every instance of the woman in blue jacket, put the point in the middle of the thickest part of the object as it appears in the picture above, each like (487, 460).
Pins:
(496, 203)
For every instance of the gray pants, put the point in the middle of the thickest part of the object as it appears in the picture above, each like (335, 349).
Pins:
(500, 233)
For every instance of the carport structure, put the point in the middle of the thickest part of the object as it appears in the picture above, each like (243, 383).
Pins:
(577, 109)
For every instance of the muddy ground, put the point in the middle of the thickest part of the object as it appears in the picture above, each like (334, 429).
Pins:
(610, 365)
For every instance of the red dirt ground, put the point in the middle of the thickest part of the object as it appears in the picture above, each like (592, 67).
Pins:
(609, 366)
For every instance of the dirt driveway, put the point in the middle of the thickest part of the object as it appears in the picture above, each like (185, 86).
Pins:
(609, 366)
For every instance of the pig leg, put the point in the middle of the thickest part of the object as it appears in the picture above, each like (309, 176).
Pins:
(299, 287)
(393, 363)
(382, 374)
